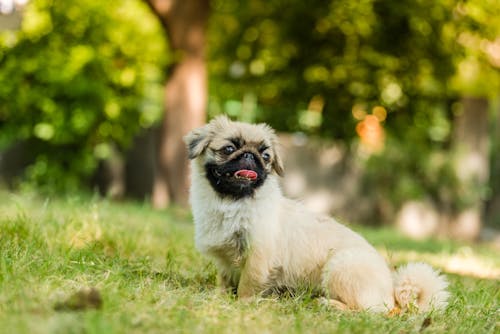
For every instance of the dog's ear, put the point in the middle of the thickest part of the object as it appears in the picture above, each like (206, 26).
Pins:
(197, 141)
(277, 162)
(275, 146)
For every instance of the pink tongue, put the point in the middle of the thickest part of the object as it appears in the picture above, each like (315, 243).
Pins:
(249, 174)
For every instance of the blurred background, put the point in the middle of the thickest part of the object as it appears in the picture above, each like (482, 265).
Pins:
(388, 111)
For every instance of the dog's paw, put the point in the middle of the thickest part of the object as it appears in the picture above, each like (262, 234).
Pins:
(407, 295)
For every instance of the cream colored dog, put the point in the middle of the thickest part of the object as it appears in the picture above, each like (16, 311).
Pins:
(261, 241)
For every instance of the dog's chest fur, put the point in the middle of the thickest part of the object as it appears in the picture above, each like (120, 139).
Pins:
(224, 233)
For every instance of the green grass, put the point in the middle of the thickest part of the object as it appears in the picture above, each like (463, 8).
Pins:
(152, 280)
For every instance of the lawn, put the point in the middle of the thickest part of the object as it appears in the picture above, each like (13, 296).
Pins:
(150, 279)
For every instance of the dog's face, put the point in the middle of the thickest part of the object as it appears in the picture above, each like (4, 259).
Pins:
(237, 157)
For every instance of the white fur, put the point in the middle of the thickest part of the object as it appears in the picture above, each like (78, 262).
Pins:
(290, 246)
(418, 284)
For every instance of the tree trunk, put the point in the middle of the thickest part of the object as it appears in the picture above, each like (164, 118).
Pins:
(471, 145)
(185, 94)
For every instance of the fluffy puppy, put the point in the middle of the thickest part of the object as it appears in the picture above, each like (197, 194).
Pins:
(261, 241)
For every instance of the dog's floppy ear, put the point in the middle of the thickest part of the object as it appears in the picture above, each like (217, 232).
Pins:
(277, 162)
(197, 141)
(275, 145)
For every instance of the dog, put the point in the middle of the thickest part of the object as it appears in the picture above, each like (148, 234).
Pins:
(262, 242)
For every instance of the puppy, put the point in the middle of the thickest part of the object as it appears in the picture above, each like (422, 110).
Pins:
(262, 242)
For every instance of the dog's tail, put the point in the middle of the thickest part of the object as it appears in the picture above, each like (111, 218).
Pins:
(419, 287)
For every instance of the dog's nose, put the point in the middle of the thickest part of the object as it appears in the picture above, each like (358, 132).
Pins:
(248, 156)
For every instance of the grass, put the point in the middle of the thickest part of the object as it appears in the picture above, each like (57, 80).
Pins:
(152, 280)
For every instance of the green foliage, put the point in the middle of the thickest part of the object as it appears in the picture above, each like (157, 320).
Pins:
(476, 32)
(365, 53)
(321, 67)
(77, 78)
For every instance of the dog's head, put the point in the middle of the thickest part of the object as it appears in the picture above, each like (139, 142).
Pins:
(237, 157)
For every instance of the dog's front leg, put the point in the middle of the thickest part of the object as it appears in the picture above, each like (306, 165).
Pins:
(253, 277)
(250, 285)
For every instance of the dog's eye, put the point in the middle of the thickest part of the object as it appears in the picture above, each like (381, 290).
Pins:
(228, 149)
(266, 156)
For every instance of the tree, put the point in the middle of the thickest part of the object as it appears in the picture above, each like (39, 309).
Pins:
(76, 80)
(184, 22)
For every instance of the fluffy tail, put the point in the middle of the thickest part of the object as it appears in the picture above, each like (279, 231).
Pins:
(418, 285)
